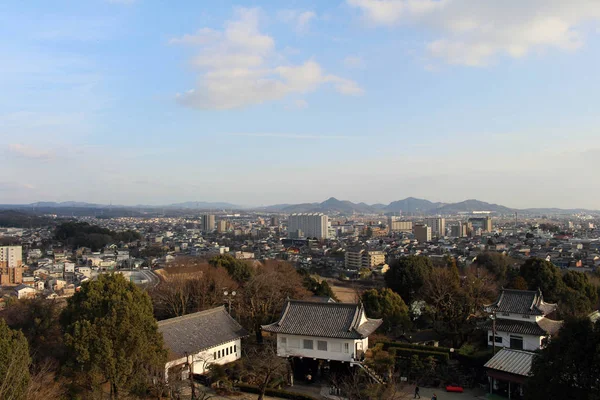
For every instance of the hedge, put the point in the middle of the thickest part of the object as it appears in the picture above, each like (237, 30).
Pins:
(399, 352)
(284, 394)
(387, 344)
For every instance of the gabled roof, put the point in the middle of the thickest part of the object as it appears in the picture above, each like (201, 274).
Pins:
(543, 327)
(516, 362)
(528, 302)
(333, 320)
(199, 331)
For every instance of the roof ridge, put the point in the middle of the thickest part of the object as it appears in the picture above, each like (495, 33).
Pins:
(191, 315)
(314, 302)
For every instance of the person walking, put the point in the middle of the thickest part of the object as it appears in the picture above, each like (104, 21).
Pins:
(417, 392)
(434, 397)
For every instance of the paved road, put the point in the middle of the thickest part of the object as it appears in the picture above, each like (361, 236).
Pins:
(151, 277)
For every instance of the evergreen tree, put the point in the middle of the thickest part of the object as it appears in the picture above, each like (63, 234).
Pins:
(14, 363)
(407, 275)
(110, 332)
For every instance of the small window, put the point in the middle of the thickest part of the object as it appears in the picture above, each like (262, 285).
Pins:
(516, 342)
(307, 344)
(283, 341)
(498, 339)
(321, 345)
(227, 351)
(219, 353)
(215, 355)
(346, 348)
(235, 348)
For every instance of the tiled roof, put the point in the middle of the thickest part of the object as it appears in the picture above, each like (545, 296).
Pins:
(522, 302)
(516, 362)
(542, 327)
(333, 320)
(199, 331)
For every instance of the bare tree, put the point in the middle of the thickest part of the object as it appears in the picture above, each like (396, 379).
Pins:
(264, 365)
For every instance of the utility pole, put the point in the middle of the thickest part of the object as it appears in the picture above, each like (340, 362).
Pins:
(229, 297)
(494, 331)
(191, 373)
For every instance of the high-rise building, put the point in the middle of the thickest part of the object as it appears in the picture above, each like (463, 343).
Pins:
(438, 226)
(488, 224)
(396, 225)
(208, 223)
(359, 257)
(459, 230)
(311, 224)
(11, 265)
(484, 223)
(222, 226)
(274, 221)
(422, 233)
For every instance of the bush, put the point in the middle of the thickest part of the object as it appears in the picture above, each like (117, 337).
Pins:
(284, 394)
(388, 344)
(399, 352)
(475, 360)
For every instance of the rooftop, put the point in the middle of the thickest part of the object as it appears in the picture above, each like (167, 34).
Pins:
(333, 320)
(195, 332)
(516, 362)
(527, 302)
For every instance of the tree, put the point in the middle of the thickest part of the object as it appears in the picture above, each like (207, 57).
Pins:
(14, 363)
(569, 366)
(543, 275)
(264, 295)
(407, 275)
(38, 319)
(110, 333)
(318, 288)
(384, 303)
(496, 263)
(240, 271)
(263, 366)
(518, 283)
(579, 295)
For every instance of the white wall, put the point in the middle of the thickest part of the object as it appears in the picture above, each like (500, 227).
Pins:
(530, 342)
(203, 359)
(336, 348)
(518, 317)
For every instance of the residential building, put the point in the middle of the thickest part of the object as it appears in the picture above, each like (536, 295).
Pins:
(396, 225)
(519, 320)
(483, 223)
(208, 223)
(422, 233)
(11, 265)
(222, 226)
(311, 224)
(438, 226)
(359, 257)
(195, 341)
(24, 292)
(458, 231)
(322, 333)
(274, 221)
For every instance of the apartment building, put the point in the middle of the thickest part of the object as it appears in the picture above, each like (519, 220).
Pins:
(11, 265)
(310, 224)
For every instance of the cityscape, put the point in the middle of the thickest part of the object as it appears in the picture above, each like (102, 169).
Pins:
(305, 200)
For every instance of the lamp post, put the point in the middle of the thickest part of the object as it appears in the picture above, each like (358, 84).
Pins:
(493, 317)
(229, 297)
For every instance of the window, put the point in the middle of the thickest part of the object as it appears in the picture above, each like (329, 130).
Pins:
(321, 345)
(219, 353)
(235, 348)
(307, 344)
(283, 341)
(215, 355)
(346, 348)
(227, 351)
(498, 339)
(336, 347)
(516, 342)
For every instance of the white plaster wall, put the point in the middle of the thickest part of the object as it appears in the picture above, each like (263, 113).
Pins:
(204, 359)
(294, 347)
(530, 342)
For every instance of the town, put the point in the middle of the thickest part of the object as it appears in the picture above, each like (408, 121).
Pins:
(371, 304)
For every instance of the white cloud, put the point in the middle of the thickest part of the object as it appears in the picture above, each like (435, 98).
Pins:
(240, 66)
(26, 151)
(293, 136)
(473, 32)
(301, 19)
(355, 62)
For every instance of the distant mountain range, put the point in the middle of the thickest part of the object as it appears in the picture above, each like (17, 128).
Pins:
(332, 205)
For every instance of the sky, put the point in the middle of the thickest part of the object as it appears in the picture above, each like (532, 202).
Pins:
(264, 102)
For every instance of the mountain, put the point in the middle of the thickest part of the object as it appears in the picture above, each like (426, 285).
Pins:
(202, 205)
(411, 205)
(473, 205)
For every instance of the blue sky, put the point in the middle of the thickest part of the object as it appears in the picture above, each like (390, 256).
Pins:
(140, 101)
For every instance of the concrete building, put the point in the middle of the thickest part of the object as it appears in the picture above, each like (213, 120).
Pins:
(11, 265)
(483, 223)
(438, 226)
(422, 233)
(208, 223)
(358, 257)
(274, 221)
(311, 224)
(222, 226)
(458, 231)
(396, 225)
